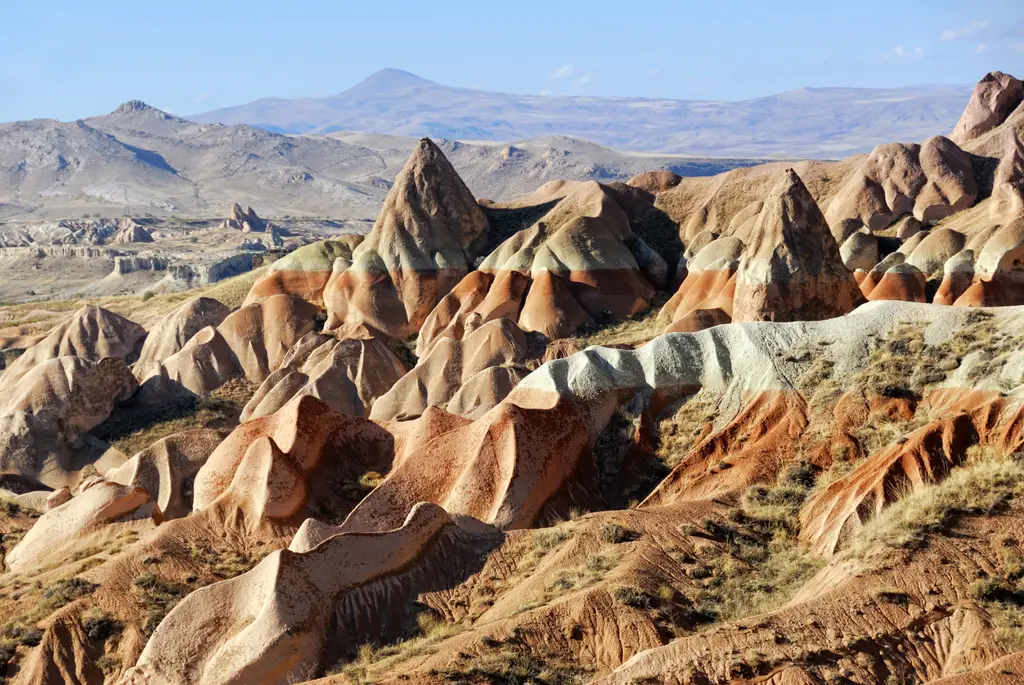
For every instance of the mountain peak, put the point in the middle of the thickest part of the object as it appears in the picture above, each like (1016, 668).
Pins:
(132, 106)
(390, 79)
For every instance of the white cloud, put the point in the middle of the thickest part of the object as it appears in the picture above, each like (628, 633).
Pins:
(900, 52)
(1019, 47)
(969, 30)
(584, 79)
(563, 72)
(981, 49)
(546, 91)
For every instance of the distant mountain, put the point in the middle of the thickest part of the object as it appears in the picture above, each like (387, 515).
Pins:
(141, 160)
(811, 122)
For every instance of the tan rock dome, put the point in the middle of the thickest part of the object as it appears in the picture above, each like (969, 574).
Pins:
(170, 334)
(92, 333)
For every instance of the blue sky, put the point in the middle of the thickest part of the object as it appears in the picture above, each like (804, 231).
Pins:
(72, 58)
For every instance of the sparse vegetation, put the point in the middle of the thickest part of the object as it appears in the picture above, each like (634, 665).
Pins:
(614, 534)
(692, 419)
(590, 572)
(632, 332)
(131, 428)
(632, 596)
(158, 596)
(978, 489)
(512, 662)
(428, 633)
(100, 626)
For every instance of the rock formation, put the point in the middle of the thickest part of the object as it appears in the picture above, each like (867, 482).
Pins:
(423, 242)
(655, 181)
(169, 335)
(250, 343)
(244, 220)
(306, 271)
(44, 414)
(348, 375)
(166, 470)
(128, 231)
(92, 333)
(994, 98)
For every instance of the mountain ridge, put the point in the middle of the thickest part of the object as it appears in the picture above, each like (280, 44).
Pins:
(819, 122)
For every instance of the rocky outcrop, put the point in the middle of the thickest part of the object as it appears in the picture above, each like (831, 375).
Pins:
(1008, 185)
(278, 469)
(91, 334)
(244, 220)
(995, 97)
(166, 470)
(576, 260)
(44, 414)
(97, 503)
(250, 342)
(449, 365)
(170, 334)
(215, 269)
(306, 271)
(423, 242)
(326, 584)
(348, 375)
(928, 181)
(128, 231)
(655, 181)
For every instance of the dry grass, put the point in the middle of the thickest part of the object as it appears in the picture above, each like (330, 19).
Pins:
(692, 419)
(42, 600)
(978, 489)
(157, 596)
(593, 570)
(132, 429)
(633, 332)
(512, 662)
(376, 660)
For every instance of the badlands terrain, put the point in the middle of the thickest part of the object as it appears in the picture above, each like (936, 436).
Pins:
(761, 427)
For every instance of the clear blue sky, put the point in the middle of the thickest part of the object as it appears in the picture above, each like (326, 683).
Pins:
(73, 58)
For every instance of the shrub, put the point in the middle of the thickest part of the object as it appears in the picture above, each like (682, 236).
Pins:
(66, 591)
(632, 596)
(614, 534)
(99, 626)
(990, 590)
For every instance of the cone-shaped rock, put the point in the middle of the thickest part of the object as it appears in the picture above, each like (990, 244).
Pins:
(792, 269)
(421, 246)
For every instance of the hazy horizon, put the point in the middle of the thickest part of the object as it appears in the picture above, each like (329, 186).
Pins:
(195, 57)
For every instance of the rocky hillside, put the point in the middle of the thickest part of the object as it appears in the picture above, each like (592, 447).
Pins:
(683, 431)
(140, 161)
